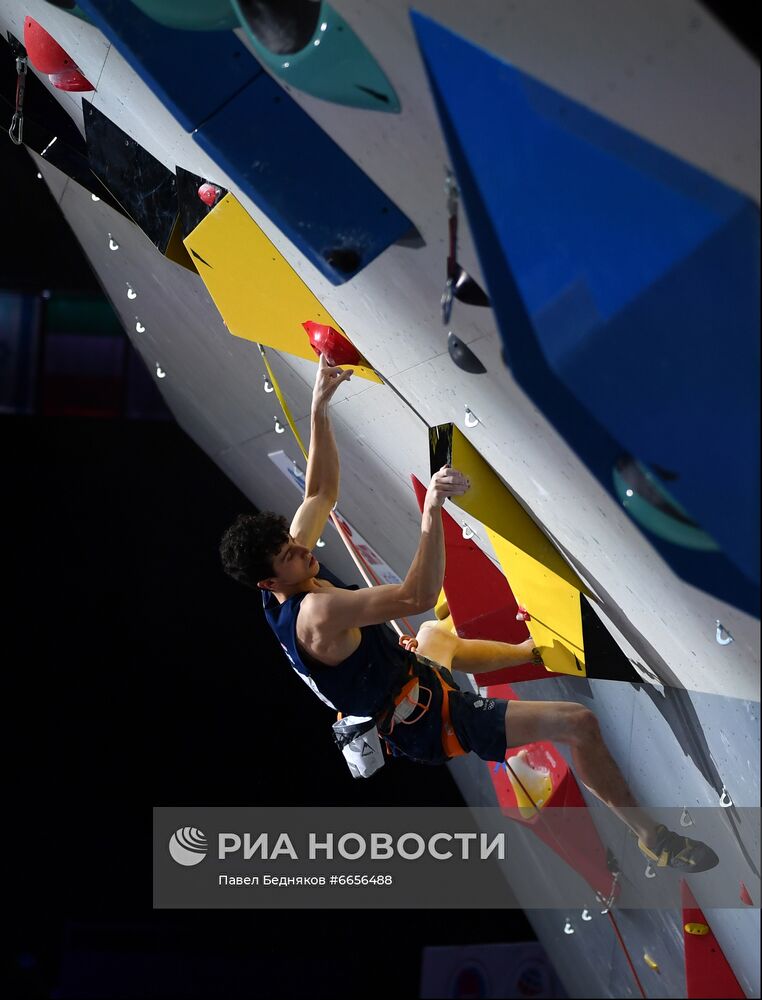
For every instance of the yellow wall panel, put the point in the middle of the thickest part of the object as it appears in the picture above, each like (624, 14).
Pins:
(257, 292)
(538, 575)
(492, 503)
(556, 624)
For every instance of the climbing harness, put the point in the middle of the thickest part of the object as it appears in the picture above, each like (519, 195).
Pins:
(407, 701)
(450, 742)
(359, 737)
(16, 131)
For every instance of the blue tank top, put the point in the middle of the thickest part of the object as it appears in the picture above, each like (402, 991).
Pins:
(367, 681)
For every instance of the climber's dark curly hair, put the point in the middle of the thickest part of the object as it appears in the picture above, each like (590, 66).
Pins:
(250, 544)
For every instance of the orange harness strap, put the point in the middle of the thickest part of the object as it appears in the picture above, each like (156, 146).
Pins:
(450, 742)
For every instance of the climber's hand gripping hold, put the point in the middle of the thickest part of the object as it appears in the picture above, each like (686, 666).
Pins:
(327, 381)
(448, 482)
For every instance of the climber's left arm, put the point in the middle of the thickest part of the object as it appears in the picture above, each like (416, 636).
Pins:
(322, 480)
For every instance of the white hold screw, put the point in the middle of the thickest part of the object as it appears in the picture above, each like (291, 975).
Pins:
(722, 635)
(471, 420)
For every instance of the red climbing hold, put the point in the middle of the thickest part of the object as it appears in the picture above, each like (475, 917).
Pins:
(334, 345)
(72, 80)
(44, 52)
(209, 193)
(745, 896)
(522, 615)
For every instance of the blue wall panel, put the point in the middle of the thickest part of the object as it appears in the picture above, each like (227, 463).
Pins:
(303, 181)
(192, 72)
(283, 160)
(626, 289)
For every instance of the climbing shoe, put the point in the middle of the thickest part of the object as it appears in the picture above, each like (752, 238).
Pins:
(673, 850)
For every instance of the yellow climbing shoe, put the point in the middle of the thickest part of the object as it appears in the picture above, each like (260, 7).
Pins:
(673, 850)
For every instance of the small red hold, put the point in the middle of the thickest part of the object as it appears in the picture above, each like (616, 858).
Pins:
(45, 54)
(334, 345)
(745, 897)
(71, 80)
(209, 193)
(522, 615)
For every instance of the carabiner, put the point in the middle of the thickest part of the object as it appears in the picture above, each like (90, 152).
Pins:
(16, 131)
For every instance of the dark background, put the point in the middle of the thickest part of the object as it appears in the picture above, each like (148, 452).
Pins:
(138, 674)
(143, 676)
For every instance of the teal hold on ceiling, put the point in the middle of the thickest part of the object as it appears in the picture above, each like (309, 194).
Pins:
(329, 60)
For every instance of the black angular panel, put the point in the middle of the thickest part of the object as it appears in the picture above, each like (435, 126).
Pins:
(604, 660)
(440, 446)
(143, 186)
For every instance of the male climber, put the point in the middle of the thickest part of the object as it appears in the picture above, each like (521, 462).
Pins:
(338, 640)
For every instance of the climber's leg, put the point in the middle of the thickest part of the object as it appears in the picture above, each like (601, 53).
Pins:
(438, 642)
(577, 726)
(478, 656)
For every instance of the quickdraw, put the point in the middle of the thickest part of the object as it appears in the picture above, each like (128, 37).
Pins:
(451, 190)
(16, 131)
(460, 285)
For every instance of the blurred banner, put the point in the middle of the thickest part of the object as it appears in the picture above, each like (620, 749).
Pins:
(473, 972)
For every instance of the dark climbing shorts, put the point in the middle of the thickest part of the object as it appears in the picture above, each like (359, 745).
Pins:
(479, 723)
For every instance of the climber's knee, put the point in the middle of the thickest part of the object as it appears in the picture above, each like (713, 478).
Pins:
(562, 721)
(585, 726)
(437, 644)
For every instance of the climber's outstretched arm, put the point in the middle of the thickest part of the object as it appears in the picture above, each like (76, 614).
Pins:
(322, 481)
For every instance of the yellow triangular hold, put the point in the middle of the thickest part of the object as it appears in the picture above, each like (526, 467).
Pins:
(532, 786)
(258, 294)
(539, 577)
